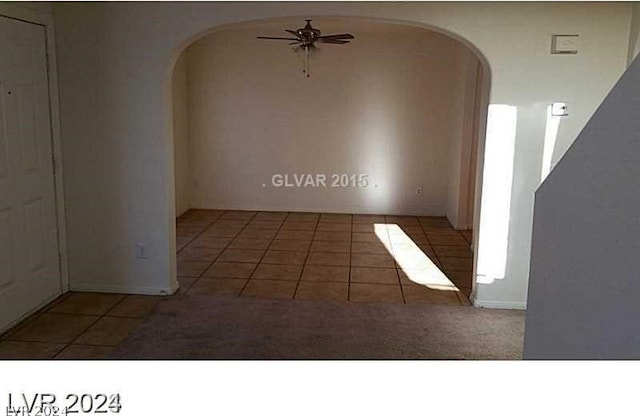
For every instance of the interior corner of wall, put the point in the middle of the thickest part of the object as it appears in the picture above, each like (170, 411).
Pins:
(453, 216)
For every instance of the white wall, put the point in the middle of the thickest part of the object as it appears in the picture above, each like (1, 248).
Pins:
(116, 61)
(584, 286)
(380, 106)
(181, 136)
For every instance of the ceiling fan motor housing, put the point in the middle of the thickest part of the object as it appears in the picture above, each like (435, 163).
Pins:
(308, 35)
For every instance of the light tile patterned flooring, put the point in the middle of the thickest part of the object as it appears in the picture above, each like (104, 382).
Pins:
(338, 257)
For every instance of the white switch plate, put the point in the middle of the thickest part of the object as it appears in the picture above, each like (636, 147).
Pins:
(565, 44)
(559, 109)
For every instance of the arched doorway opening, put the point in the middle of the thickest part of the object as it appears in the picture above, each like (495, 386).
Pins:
(244, 118)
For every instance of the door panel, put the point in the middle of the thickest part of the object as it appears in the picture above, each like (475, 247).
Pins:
(25, 97)
(34, 218)
(29, 265)
(3, 140)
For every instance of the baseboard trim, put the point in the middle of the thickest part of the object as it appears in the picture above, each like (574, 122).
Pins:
(128, 290)
(315, 209)
(499, 304)
(492, 304)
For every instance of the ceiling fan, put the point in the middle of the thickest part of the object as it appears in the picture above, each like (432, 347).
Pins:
(306, 38)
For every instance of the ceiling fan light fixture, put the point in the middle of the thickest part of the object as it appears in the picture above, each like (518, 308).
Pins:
(306, 38)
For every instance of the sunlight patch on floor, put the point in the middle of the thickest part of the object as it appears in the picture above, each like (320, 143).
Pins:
(416, 265)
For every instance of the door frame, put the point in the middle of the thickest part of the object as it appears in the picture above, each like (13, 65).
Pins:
(478, 100)
(21, 11)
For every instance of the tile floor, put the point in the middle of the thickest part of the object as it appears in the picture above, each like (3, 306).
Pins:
(338, 257)
(77, 326)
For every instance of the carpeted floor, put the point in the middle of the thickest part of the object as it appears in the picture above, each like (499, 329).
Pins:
(207, 327)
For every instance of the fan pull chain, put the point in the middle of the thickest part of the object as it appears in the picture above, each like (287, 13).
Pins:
(305, 62)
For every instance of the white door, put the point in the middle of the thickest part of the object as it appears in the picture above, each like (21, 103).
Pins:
(29, 266)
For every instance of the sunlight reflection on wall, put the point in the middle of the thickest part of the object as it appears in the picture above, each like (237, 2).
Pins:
(496, 193)
(550, 135)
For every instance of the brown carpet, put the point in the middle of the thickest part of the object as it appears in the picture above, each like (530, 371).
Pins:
(203, 327)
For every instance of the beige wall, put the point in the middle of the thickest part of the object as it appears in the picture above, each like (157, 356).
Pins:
(116, 61)
(181, 136)
(383, 106)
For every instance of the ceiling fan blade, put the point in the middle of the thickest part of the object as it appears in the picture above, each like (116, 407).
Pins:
(333, 41)
(293, 32)
(339, 36)
(274, 38)
(295, 43)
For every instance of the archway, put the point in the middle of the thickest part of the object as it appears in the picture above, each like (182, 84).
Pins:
(465, 195)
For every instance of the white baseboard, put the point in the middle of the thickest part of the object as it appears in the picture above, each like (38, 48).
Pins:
(499, 304)
(316, 209)
(128, 290)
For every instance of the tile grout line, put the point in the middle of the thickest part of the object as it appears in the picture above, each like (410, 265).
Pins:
(263, 254)
(28, 319)
(309, 250)
(196, 278)
(192, 240)
(398, 267)
(222, 250)
(200, 233)
(33, 342)
(435, 253)
(99, 317)
(473, 256)
(125, 296)
(459, 292)
(89, 345)
(395, 263)
(304, 264)
(206, 269)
